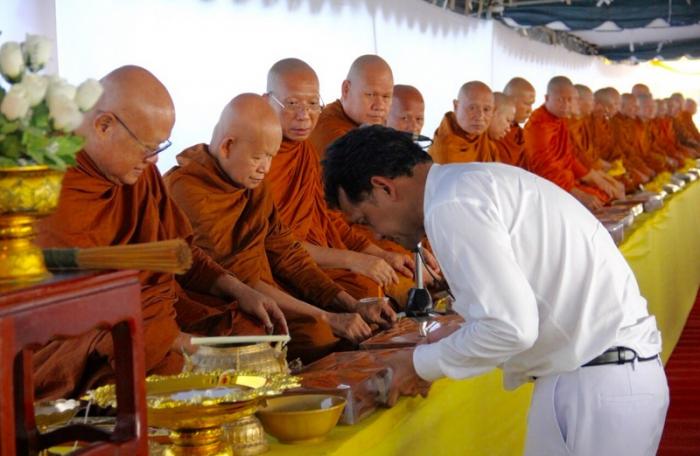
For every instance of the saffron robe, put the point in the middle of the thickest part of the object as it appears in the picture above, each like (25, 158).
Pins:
(241, 230)
(93, 211)
(451, 144)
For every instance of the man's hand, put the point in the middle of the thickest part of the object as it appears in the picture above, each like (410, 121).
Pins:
(349, 326)
(401, 263)
(183, 344)
(373, 267)
(404, 380)
(264, 308)
(378, 311)
(588, 200)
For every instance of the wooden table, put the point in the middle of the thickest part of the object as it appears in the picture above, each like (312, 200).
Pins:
(63, 306)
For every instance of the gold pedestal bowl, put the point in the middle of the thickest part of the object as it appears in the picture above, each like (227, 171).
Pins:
(27, 193)
(194, 406)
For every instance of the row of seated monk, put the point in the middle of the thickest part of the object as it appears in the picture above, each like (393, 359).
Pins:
(269, 254)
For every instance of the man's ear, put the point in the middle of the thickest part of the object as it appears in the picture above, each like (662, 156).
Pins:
(102, 123)
(225, 147)
(344, 89)
(454, 105)
(384, 185)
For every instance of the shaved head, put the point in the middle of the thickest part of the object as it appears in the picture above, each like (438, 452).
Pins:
(628, 105)
(523, 95)
(474, 107)
(560, 96)
(647, 106)
(407, 109)
(503, 115)
(585, 100)
(246, 138)
(640, 89)
(690, 106)
(367, 91)
(675, 104)
(293, 92)
(134, 115)
(606, 101)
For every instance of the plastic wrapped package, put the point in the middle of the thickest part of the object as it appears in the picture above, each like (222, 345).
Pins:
(361, 377)
(615, 214)
(616, 230)
(635, 207)
(651, 201)
(406, 333)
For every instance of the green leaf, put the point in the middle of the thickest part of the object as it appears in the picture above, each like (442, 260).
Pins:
(40, 117)
(11, 147)
(4, 161)
(7, 126)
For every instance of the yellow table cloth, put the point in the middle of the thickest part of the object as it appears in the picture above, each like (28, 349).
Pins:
(476, 416)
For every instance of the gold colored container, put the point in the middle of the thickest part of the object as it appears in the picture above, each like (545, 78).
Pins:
(301, 418)
(246, 436)
(261, 357)
(27, 193)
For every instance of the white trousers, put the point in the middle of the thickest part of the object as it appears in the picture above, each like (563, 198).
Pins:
(609, 410)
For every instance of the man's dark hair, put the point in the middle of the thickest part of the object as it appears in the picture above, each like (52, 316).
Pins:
(354, 158)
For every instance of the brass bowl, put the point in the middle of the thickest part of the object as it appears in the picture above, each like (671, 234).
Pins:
(55, 413)
(260, 357)
(301, 418)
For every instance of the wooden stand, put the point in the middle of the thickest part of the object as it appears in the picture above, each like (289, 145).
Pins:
(64, 306)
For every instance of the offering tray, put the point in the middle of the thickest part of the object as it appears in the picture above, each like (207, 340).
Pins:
(651, 201)
(194, 406)
(635, 207)
(408, 332)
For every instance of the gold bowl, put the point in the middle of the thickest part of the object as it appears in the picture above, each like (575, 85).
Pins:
(301, 418)
(261, 357)
(55, 413)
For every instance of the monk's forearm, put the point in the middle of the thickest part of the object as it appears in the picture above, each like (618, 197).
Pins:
(375, 250)
(227, 286)
(287, 303)
(328, 258)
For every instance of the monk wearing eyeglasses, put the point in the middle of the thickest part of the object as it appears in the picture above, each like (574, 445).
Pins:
(115, 195)
(407, 110)
(222, 189)
(345, 253)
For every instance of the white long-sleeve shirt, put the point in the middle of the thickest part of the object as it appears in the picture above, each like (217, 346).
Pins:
(541, 285)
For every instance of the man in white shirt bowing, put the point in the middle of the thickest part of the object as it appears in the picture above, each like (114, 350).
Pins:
(545, 293)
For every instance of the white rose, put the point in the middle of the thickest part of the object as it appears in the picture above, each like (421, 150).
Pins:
(35, 86)
(37, 50)
(59, 88)
(65, 114)
(88, 93)
(15, 105)
(11, 61)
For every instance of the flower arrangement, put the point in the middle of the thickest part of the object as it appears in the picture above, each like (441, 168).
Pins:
(39, 113)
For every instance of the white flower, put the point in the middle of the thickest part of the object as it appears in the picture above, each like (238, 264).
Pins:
(35, 86)
(59, 88)
(37, 50)
(65, 113)
(88, 93)
(15, 105)
(11, 61)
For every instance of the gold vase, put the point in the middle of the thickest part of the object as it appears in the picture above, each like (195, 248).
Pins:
(27, 193)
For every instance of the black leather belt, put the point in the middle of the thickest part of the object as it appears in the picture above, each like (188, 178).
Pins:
(617, 355)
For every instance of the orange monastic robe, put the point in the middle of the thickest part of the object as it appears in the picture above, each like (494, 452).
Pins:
(332, 124)
(651, 157)
(581, 134)
(664, 137)
(295, 183)
(451, 144)
(628, 145)
(550, 154)
(92, 212)
(511, 148)
(242, 231)
(686, 131)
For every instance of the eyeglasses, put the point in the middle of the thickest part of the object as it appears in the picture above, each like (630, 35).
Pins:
(296, 106)
(150, 152)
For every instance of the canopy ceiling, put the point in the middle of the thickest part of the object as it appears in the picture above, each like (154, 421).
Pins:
(617, 29)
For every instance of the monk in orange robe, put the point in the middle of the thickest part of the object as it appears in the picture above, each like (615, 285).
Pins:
(664, 137)
(549, 150)
(652, 156)
(220, 188)
(523, 95)
(463, 133)
(345, 254)
(115, 196)
(690, 108)
(627, 141)
(683, 125)
(366, 95)
(508, 152)
(580, 126)
(407, 111)
(640, 89)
